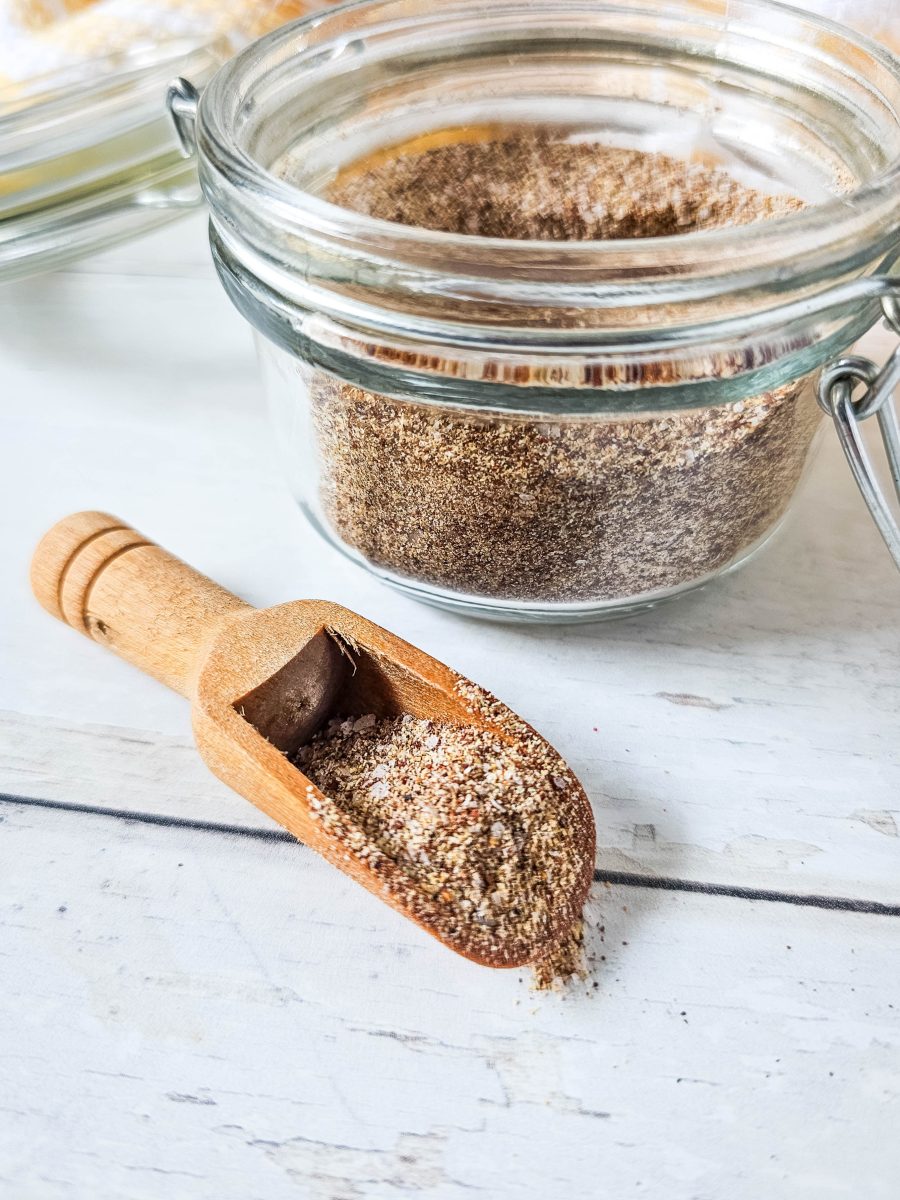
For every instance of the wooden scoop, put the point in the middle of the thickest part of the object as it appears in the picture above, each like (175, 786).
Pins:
(261, 681)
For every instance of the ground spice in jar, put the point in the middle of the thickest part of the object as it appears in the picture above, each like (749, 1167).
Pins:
(482, 836)
(559, 511)
(533, 184)
(544, 509)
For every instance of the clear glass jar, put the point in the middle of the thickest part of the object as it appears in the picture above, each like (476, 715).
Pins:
(551, 430)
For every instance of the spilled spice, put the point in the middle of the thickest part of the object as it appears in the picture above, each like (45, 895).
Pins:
(484, 836)
(566, 962)
(548, 509)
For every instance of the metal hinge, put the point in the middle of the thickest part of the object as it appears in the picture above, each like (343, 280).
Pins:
(837, 385)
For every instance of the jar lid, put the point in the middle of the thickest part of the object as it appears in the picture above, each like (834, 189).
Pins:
(88, 162)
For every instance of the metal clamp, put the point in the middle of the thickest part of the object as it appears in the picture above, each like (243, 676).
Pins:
(835, 394)
(182, 99)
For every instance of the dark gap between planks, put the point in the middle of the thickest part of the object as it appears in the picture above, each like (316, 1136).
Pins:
(619, 878)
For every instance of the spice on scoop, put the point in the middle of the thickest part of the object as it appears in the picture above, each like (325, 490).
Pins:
(480, 833)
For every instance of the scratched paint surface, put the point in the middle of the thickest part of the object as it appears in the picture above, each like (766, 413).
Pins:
(171, 1029)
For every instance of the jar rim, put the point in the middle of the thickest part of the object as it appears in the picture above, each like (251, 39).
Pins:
(829, 225)
(597, 321)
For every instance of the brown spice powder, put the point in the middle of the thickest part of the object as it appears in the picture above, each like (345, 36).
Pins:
(556, 510)
(534, 184)
(543, 509)
(481, 837)
(566, 962)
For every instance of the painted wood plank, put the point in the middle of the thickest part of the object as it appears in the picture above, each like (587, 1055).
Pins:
(145, 773)
(123, 770)
(746, 735)
(207, 1016)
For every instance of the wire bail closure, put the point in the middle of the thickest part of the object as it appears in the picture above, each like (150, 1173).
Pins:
(835, 395)
(182, 99)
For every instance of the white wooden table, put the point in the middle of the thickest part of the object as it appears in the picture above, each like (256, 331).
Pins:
(193, 1006)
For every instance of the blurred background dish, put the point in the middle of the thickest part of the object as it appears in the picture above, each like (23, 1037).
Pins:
(80, 39)
(88, 156)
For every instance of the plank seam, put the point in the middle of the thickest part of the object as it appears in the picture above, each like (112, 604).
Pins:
(618, 878)
(146, 818)
(738, 892)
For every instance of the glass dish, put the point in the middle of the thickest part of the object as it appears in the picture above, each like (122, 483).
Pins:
(87, 163)
(556, 430)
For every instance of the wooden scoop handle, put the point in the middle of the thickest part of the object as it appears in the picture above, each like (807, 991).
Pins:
(112, 584)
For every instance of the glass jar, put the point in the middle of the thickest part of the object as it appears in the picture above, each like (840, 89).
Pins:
(568, 429)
